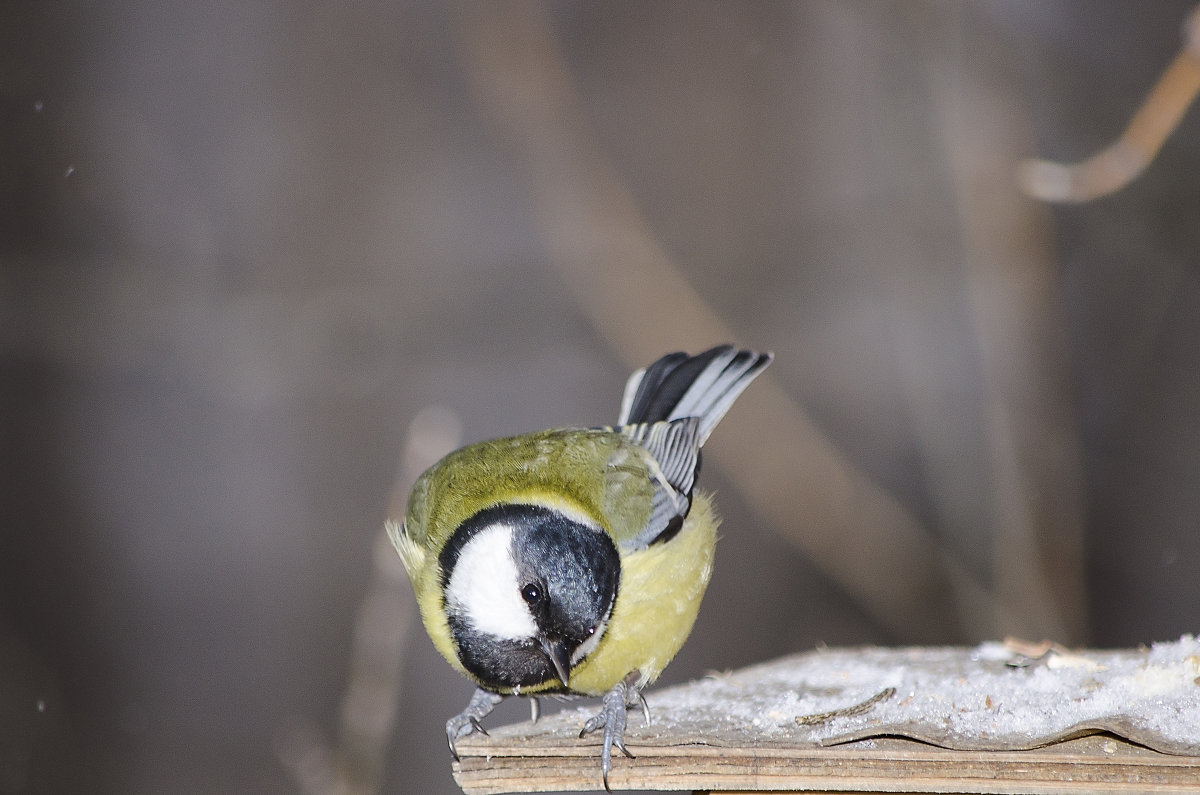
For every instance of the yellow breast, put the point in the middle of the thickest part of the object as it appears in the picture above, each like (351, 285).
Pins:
(657, 602)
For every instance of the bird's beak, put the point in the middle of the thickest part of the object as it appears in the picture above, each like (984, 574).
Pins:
(560, 656)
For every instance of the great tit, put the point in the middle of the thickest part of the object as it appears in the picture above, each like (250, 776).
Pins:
(572, 561)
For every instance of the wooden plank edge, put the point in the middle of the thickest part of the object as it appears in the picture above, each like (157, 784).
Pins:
(917, 769)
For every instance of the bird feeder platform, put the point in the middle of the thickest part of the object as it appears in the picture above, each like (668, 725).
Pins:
(997, 718)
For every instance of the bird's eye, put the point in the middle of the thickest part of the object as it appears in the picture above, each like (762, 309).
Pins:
(531, 593)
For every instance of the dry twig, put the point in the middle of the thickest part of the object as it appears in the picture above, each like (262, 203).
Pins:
(1115, 166)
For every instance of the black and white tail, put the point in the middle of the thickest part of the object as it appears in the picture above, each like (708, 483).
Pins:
(671, 407)
(702, 386)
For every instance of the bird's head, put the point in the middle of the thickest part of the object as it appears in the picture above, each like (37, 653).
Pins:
(528, 592)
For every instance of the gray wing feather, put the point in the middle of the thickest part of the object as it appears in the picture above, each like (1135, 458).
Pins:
(676, 428)
(674, 447)
(673, 452)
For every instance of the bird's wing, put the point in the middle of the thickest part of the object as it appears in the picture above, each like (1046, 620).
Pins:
(670, 455)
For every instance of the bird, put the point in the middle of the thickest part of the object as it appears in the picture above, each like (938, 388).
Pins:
(572, 561)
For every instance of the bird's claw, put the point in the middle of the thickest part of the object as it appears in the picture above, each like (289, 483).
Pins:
(467, 721)
(645, 707)
(612, 718)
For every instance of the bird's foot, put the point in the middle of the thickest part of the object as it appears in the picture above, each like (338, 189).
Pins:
(467, 721)
(612, 718)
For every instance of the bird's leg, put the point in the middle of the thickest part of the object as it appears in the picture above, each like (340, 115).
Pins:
(611, 718)
(467, 721)
(535, 709)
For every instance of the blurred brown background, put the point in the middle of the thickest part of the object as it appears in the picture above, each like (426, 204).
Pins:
(244, 245)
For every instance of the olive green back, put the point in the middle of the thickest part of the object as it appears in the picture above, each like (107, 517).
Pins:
(595, 473)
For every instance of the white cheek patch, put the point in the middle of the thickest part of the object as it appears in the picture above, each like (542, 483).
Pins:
(483, 588)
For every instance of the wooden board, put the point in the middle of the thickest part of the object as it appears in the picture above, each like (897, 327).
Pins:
(988, 719)
(1090, 764)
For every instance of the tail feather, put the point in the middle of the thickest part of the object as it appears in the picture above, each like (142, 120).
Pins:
(670, 408)
(702, 386)
(642, 386)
